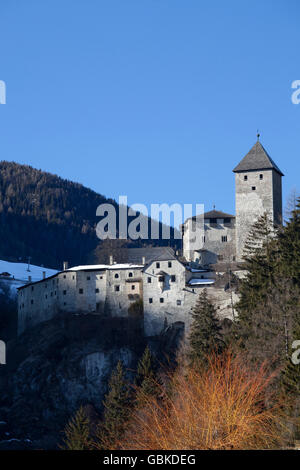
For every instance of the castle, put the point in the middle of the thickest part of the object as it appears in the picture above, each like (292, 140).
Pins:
(157, 286)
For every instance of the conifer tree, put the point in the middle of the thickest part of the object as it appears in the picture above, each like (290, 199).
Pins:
(205, 334)
(259, 261)
(146, 380)
(77, 432)
(116, 404)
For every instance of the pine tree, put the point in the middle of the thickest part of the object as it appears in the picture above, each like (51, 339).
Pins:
(77, 432)
(117, 405)
(259, 260)
(205, 334)
(146, 380)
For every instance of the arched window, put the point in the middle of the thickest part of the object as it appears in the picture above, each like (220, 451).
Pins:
(116, 276)
(130, 275)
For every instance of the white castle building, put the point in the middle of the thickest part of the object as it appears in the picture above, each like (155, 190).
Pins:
(157, 286)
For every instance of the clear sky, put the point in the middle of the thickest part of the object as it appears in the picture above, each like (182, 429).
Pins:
(154, 99)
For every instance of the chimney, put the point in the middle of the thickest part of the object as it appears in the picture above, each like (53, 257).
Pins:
(65, 265)
(44, 274)
(143, 260)
(111, 259)
(29, 278)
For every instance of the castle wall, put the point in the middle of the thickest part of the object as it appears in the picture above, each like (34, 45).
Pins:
(203, 244)
(251, 204)
(164, 302)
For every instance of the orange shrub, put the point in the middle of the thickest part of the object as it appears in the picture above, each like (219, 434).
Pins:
(220, 407)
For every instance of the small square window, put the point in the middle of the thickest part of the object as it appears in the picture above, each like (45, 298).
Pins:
(245, 178)
(133, 287)
(253, 188)
(178, 302)
(65, 276)
(173, 278)
(158, 265)
(169, 264)
(80, 291)
(261, 177)
(161, 300)
(149, 280)
(117, 288)
(150, 301)
(130, 275)
(65, 292)
(97, 291)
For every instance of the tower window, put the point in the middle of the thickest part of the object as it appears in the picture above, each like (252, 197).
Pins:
(116, 276)
(158, 265)
(80, 291)
(261, 177)
(133, 287)
(161, 300)
(253, 188)
(173, 278)
(169, 264)
(117, 288)
(130, 275)
(245, 178)
(224, 238)
(149, 280)
(150, 301)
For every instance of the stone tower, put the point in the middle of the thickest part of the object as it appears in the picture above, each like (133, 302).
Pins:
(257, 190)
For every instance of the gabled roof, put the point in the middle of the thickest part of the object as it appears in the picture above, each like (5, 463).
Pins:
(257, 159)
(213, 215)
(157, 253)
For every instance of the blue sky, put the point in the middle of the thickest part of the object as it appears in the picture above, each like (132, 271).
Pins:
(154, 99)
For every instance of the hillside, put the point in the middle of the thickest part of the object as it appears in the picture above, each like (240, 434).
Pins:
(46, 217)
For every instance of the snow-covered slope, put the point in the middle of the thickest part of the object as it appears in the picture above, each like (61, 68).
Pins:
(16, 274)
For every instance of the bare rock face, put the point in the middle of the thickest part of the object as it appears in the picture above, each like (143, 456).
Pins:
(57, 366)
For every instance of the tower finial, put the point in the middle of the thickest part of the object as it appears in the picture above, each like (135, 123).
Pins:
(258, 135)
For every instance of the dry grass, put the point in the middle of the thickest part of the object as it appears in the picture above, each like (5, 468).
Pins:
(221, 407)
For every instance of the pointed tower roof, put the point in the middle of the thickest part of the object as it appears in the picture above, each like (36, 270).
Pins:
(257, 159)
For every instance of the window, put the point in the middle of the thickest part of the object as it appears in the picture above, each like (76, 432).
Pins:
(178, 302)
(117, 288)
(227, 221)
(80, 291)
(253, 188)
(31, 302)
(161, 300)
(116, 276)
(130, 275)
(88, 278)
(73, 277)
(150, 301)
(173, 278)
(158, 265)
(65, 292)
(261, 177)
(133, 287)
(213, 222)
(161, 279)
(169, 264)
(245, 178)
(97, 291)
(149, 280)
(65, 276)
(224, 238)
